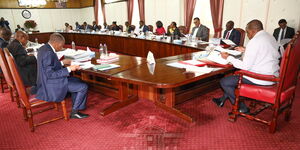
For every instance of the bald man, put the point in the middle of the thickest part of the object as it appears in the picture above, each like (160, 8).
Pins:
(261, 56)
(5, 35)
(26, 63)
(54, 79)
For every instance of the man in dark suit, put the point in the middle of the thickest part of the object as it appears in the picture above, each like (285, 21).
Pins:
(114, 26)
(200, 31)
(283, 32)
(231, 33)
(95, 27)
(143, 27)
(77, 26)
(5, 35)
(54, 79)
(26, 63)
(4, 23)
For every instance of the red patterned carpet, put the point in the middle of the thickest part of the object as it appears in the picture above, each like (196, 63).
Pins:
(142, 126)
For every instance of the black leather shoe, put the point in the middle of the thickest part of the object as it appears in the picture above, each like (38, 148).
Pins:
(245, 110)
(78, 115)
(219, 102)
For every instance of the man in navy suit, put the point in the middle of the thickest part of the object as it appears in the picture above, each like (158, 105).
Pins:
(143, 27)
(54, 79)
(283, 32)
(231, 33)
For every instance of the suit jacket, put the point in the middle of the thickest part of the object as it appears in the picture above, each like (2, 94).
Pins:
(202, 32)
(26, 64)
(3, 43)
(115, 28)
(95, 27)
(235, 36)
(52, 81)
(290, 32)
(145, 29)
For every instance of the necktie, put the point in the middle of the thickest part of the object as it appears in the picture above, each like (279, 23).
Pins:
(282, 34)
(227, 35)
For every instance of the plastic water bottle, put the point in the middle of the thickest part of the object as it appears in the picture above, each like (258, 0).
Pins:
(105, 50)
(101, 50)
(73, 45)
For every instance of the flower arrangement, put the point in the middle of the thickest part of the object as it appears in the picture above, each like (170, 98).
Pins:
(30, 24)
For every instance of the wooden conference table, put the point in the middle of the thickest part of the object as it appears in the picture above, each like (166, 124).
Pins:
(164, 85)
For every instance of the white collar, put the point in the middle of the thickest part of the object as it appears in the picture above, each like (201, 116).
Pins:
(52, 48)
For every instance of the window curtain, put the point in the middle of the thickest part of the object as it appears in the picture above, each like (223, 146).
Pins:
(142, 9)
(96, 7)
(130, 10)
(103, 10)
(216, 7)
(189, 7)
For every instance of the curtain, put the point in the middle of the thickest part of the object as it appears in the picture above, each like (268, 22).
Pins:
(130, 10)
(142, 9)
(103, 10)
(189, 7)
(216, 7)
(96, 6)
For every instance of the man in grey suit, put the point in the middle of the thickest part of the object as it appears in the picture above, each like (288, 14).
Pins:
(200, 31)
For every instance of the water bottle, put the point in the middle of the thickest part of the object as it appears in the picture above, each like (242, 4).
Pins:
(101, 50)
(36, 41)
(73, 45)
(105, 50)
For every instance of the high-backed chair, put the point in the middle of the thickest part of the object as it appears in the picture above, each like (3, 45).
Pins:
(28, 101)
(121, 27)
(182, 29)
(278, 97)
(150, 28)
(8, 77)
(243, 33)
(2, 81)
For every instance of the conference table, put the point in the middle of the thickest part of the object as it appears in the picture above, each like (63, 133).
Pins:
(164, 85)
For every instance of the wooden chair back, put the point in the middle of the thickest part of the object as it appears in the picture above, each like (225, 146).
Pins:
(243, 34)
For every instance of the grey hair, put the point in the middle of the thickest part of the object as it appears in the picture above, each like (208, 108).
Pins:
(56, 38)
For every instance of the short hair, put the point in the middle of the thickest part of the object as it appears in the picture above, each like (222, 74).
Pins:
(231, 22)
(56, 38)
(174, 23)
(255, 25)
(142, 21)
(282, 21)
(20, 34)
(196, 18)
(159, 24)
(114, 22)
(5, 33)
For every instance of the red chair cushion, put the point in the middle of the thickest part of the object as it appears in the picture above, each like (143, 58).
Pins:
(265, 93)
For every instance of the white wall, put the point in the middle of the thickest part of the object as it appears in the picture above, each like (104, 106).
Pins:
(116, 12)
(49, 20)
(268, 11)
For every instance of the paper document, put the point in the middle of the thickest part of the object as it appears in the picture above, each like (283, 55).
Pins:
(228, 42)
(103, 67)
(231, 52)
(83, 65)
(217, 58)
(193, 62)
(196, 69)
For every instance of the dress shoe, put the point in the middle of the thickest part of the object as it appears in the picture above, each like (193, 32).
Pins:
(219, 102)
(78, 115)
(244, 110)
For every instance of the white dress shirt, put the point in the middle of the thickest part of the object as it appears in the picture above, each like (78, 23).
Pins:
(62, 63)
(261, 56)
(282, 31)
(195, 32)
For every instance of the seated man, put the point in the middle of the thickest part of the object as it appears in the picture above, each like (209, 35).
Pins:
(95, 27)
(283, 32)
(143, 27)
(54, 80)
(231, 33)
(5, 35)
(68, 27)
(77, 26)
(114, 26)
(26, 63)
(200, 31)
(4, 23)
(128, 28)
(261, 56)
(19, 28)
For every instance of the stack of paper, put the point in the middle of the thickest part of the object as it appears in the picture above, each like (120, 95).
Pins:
(109, 59)
(217, 58)
(104, 67)
(79, 55)
(231, 52)
(83, 65)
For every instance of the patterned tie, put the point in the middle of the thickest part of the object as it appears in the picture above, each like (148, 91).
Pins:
(227, 35)
(282, 34)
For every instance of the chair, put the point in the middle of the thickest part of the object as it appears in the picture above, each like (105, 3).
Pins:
(243, 33)
(182, 29)
(8, 77)
(29, 102)
(279, 97)
(2, 81)
(133, 27)
(150, 28)
(121, 27)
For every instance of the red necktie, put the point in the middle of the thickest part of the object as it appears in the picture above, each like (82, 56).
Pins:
(227, 35)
